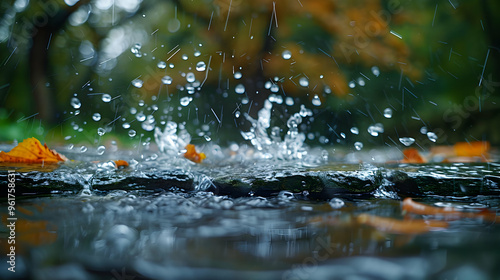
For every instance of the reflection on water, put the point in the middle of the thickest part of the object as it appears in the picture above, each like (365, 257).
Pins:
(159, 235)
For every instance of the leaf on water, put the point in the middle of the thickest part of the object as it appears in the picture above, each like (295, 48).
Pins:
(391, 225)
(192, 155)
(31, 151)
(411, 206)
(411, 155)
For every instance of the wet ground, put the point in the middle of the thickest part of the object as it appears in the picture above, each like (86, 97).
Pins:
(168, 219)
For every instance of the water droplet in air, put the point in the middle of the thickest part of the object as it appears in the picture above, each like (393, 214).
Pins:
(376, 129)
(96, 117)
(354, 130)
(75, 102)
(336, 203)
(140, 117)
(352, 84)
(361, 82)
(432, 136)
(237, 114)
(83, 149)
(197, 53)
(375, 71)
(286, 54)
(388, 113)
(136, 48)
(184, 57)
(106, 98)
(186, 100)
(316, 101)
(162, 65)
(132, 133)
(101, 131)
(126, 125)
(207, 138)
(239, 89)
(237, 75)
(167, 80)
(100, 150)
(190, 77)
(303, 81)
(407, 141)
(358, 146)
(423, 130)
(201, 66)
(137, 83)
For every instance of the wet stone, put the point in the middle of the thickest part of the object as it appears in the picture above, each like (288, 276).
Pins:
(322, 183)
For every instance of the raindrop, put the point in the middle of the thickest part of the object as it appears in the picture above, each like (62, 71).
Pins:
(303, 81)
(207, 138)
(432, 136)
(162, 65)
(106, 98)
(388, 113)
(126, 125)
(286, 54)
(100, 150)
(358, 146)
(316, 101)
(96, 117)
(186, 100)
(197, 53)
(140, 117)
(375, 71)
(137, 83)
(167, 80)
(376, 129)
(184, 57)
(423, 130)
(133, 110)
(239, 89)
(148, 125)
(275, 88)
(200, 66)
(352, 84)
(361, 82)
(75, 102)
(407, 141)
(354, 130)
(83, 149)
(101, 131)
(190, 77)
(289, 101)
(237, 75)
(237, 114)
(136, 48)
(132, 133)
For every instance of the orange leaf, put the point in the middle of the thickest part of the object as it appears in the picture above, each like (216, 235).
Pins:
(192, 155)
(472, 149)
(412, 156)
(419, 208)
(398, 226)
(120, 163)
(31, 151)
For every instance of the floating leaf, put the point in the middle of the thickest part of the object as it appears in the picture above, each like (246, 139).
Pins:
(400, 226)
(31, 151)
(192, 155)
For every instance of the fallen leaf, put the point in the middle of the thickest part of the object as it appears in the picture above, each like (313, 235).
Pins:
(472, 149)
(391, 225)
(121, 163)
(31, 151)
(192, 155)
(449, 212)
(411, 155)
